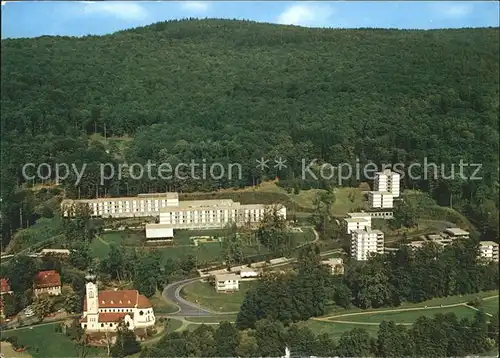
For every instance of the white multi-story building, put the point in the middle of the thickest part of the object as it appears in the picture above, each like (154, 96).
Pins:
(488, 250)
(365, 242)
(227, 283)
(103, 311)
(141, 206)
(358, 221)
(387, 181)
(207, 214)
(380, 200)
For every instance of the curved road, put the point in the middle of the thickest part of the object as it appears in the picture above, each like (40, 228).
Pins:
(172, 293)
(333, 318)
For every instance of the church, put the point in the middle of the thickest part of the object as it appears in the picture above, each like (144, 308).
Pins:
(103, 311)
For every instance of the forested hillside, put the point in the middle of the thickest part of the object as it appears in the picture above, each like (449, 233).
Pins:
(233, 91)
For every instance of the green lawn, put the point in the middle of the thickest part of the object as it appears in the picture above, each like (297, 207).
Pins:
(173, 325)
(490, 306)
(100, 246)
(44, 341)
(407, 316)
(346, 199)
(433, 302)
(205, 252)
(207, 297)
(160, 305)
(8, 351)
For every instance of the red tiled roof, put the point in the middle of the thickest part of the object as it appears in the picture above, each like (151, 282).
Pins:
(143, 302)
(45, 279)
(121, 299)
(4, 285)
(111, 317)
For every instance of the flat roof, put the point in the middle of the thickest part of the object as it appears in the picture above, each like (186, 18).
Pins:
(356, 220)
(488, 243)
(386, 172)
(227, 277)
(359, 214)
(435, 237)
(170, 195)
(199, 204)
(159, 226)
(417, 243)
(380, 192)
(456, 231)
(333, 261)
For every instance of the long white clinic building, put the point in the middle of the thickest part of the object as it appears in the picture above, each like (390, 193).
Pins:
(172, 213)
(143, 205)
(207, 214)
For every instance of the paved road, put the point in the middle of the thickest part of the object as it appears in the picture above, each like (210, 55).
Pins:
(333, 318)
(172, 293)
(186, 308)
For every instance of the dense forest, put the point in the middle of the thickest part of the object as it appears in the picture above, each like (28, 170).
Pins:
(386, 280)
(234, 91)
(439, 336)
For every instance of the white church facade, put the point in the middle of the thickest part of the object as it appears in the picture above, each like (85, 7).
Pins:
(104, 310)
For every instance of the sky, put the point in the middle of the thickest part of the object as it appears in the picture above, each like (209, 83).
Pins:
(71, 18)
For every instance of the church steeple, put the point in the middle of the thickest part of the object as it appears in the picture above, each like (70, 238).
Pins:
(92, 294)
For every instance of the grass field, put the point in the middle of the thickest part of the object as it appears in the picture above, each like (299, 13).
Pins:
(9, 352)
(160, 305)
(345, 320)
(407, 317)
(490, 306)
(206, 296)
(433, 302)
(205, 252)
(336, 329)
(44, 341)
(346, 199)
(173, 325)
(269, 192)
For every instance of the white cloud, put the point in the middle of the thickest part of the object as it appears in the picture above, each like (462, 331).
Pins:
(452, 10)
(306, 14)
(195, 6)
(122, 10)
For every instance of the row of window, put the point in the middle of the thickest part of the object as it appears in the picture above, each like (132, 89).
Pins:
(110, 324)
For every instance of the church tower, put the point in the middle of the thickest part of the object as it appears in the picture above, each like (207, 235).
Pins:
(92, 298)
